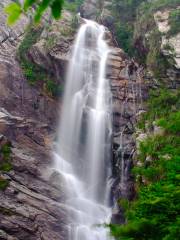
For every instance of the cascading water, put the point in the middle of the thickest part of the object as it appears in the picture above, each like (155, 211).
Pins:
(83, 153)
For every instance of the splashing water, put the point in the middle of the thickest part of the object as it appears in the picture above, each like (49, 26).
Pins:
(83, 154)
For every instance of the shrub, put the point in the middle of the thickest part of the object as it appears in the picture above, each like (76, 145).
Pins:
(5, 152)
(54, 89)
(171, 123)
(3, 183)
(34, 73)
(154, 214)
(124, 36)
(174, 20)
(161, 103)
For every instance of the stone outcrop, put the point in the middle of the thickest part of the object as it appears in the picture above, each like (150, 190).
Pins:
(9, 37)
(98, 10)
(30, 205)
(158, 48)
(173, 42)
(170, 47)
(52, 51)
(91, 9)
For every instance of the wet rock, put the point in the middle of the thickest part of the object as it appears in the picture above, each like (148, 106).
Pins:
(90, 9)
(128, 89)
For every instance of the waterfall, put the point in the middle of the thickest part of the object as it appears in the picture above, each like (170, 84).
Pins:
(83, 150)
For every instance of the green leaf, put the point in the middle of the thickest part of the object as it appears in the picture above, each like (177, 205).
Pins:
(40, 10)
(56, 8)
(13, 10)
(27, 4)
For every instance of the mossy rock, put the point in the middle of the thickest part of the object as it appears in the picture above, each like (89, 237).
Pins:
(5, 157)
(3, 183)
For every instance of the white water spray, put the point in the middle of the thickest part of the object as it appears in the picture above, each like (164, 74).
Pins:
(83, 156)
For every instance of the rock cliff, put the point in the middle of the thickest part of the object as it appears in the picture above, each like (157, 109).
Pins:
(29, 199)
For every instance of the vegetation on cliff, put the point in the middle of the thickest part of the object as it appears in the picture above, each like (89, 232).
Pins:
(5, 163)
(154, 213)
(36, 75)
(134, 20)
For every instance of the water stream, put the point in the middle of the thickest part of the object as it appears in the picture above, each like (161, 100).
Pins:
(83, 152)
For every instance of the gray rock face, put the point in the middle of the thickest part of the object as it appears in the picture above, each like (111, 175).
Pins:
(29, 206)
(52, 51)
(90, 9)
(15, 93)
(98, 10)
(128, 90)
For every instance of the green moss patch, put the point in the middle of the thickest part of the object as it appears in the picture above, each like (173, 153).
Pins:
(3, 183)
(5, 154)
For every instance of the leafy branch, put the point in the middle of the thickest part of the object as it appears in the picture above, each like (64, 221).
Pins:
(34, 7)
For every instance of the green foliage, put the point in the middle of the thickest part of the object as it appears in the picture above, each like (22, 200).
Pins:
(73, 6)
(6, 151)
(6, 166)
(174, 20)
(56, 8)
(124, 36)
(161, 103)
(15, 10)
(154, 214)
(124, 13)
(36, 74)
(53, 88)
(5, 154)
(140, 230)
(171, 123)
(31, 37)
(3, 183)
(32, 72)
